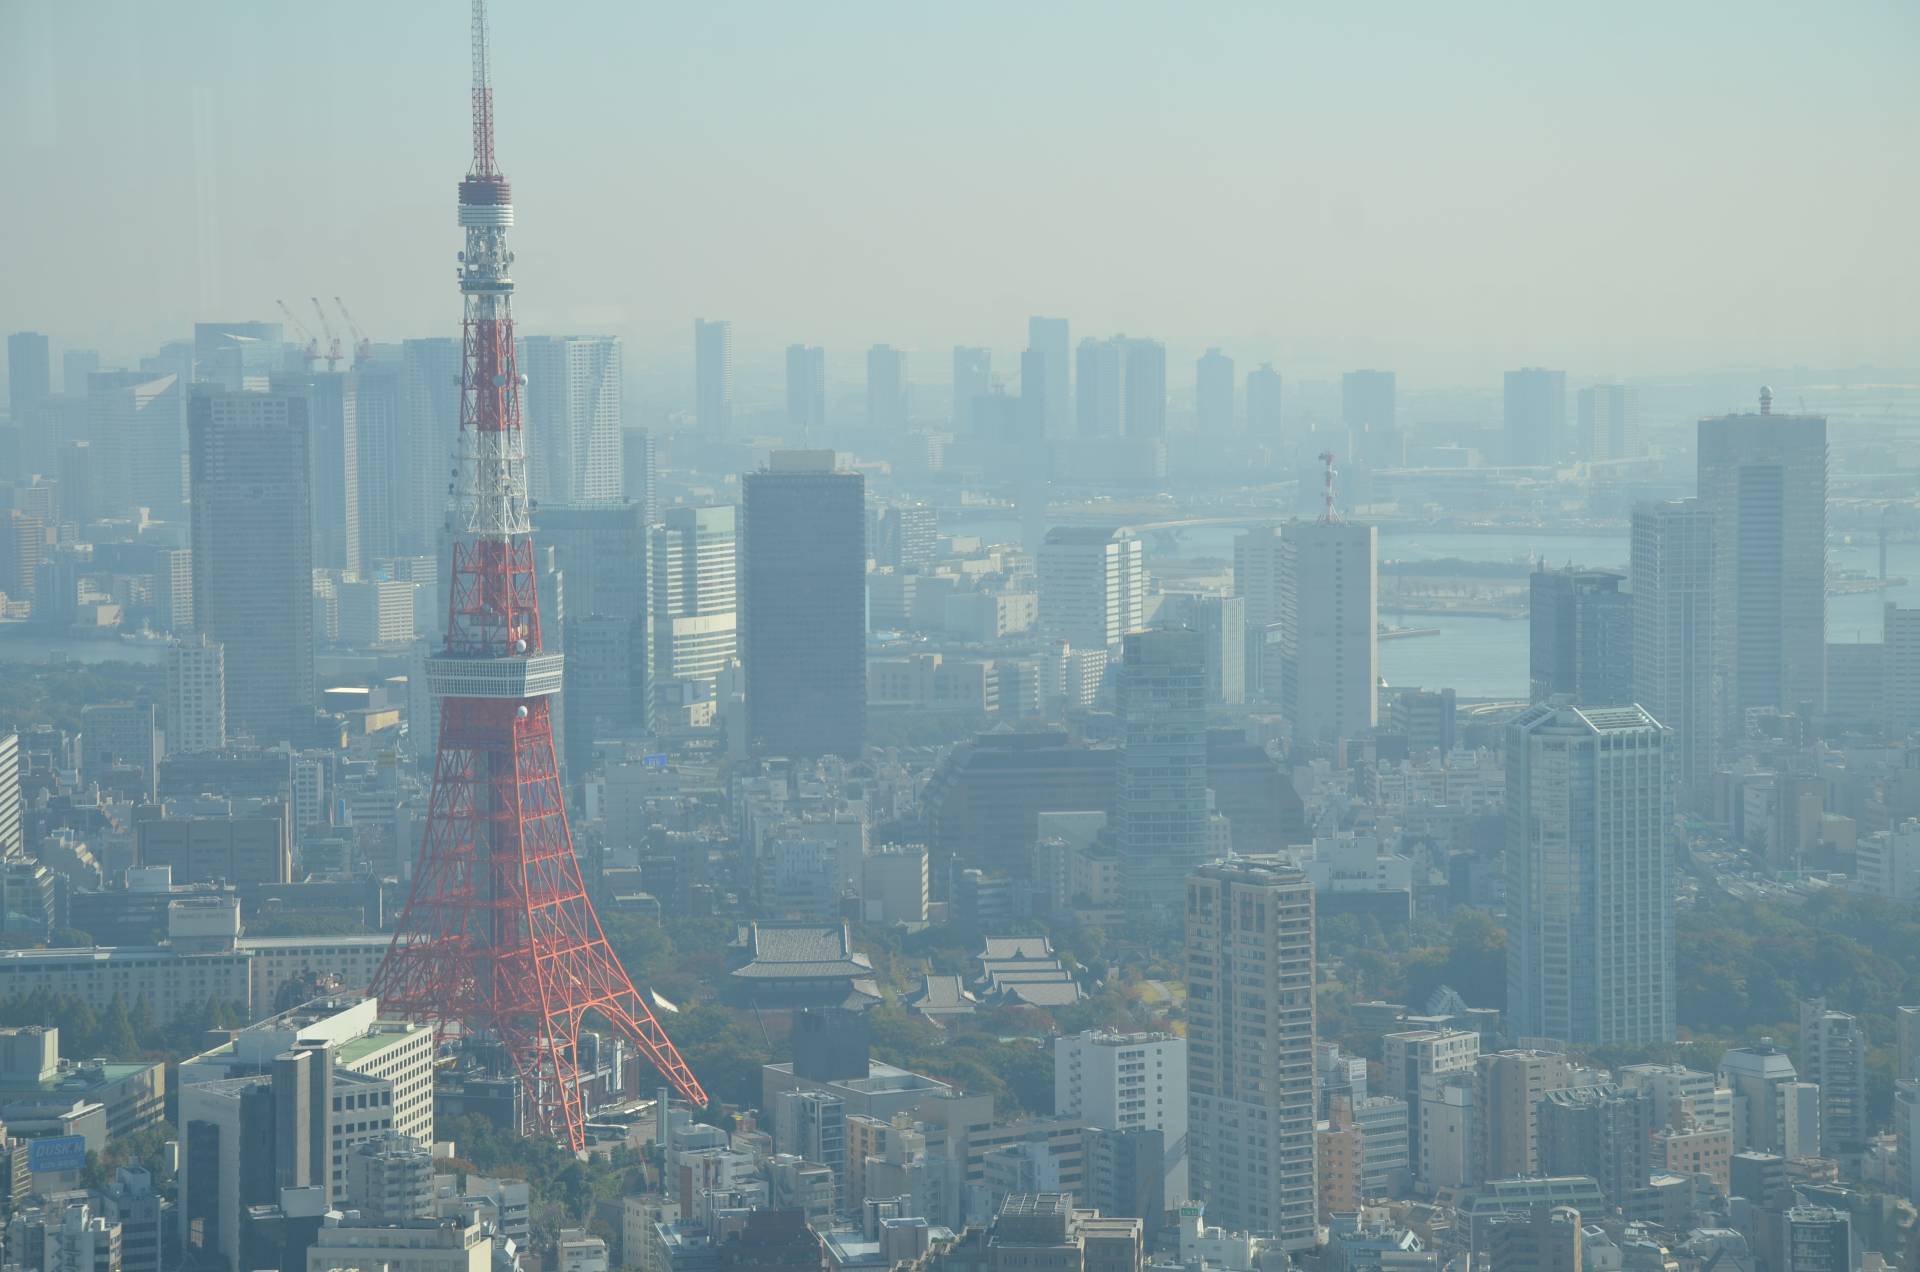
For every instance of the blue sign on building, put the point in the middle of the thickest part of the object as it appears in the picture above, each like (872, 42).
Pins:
(56, 1154)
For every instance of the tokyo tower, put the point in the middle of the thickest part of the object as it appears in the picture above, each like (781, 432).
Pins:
(498, 941)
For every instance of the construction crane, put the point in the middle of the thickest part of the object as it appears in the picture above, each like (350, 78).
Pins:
(334, 355)
(312, 350)
(362, 347)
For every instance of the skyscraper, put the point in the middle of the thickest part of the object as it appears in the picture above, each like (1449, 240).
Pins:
(972, 378)
(133, 419)
(1368, 401)
(253, 553)
(1608, 422)
(713, 377)
(1161, 811)
(196, 695)
(1589, 891)
(638, 474)
(1833, 1054)
(385, 454)
(886, 388)
(1093, 586)
(1048, 338)
(431, 371)
(1263, 403)
(1329, 624)
(1673, 669)
(695, 600)
(1250, 1035)
(1097, 388)
(1579, 637)
(806, 390)
(573, 417)
(333, 463)
(29, 372)
(803, 605)
(1900, 635)
(1763, 480)
(1213, 393)
(1535, 415)
(1144, 413)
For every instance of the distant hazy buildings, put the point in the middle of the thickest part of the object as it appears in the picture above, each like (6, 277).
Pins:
(572, 412)
(1047, 337)
(1093, 586)
(333, 455)
(1673, 667)
(430, 374)
(1608, 422)
(1250, 1036)
(1329, 626)
(803, 605)
(134, 459)
(713, 377)
(237, 355)
(1263, 403)
(806, 389)
(1763, 480)
(1144, 412)
(972, 379)
(1535, 416)
(886, 388)
(29, 372)
(253, 553)
(1589, 878)
(1213, 393)
(1161, 818)
(1579, 637)
(1368, 401)
(1097, 388)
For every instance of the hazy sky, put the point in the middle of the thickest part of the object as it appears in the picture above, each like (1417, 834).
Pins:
(1447, 189)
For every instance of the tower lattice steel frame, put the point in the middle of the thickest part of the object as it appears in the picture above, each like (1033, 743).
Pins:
(498, 940)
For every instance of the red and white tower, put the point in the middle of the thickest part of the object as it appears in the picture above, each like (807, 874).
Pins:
(498, 941)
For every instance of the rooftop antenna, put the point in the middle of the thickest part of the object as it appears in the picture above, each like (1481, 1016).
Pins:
(1328, 517)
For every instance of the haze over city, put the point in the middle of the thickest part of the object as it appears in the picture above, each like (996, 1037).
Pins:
(1450, 189)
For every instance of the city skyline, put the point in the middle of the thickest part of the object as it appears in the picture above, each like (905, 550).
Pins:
(1787, 247)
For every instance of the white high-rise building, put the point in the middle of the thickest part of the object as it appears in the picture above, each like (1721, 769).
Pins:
(1093, 586)
(1608, 421)
(1763, 479)
(1047, 337)
(1673, 667)
(196, 695)
(694, 560)
(1128, 1082)
(1900, 664)
(1250, 1035)
(806, 391)
(572, 411)
(1329, 605)
(1589, 876)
